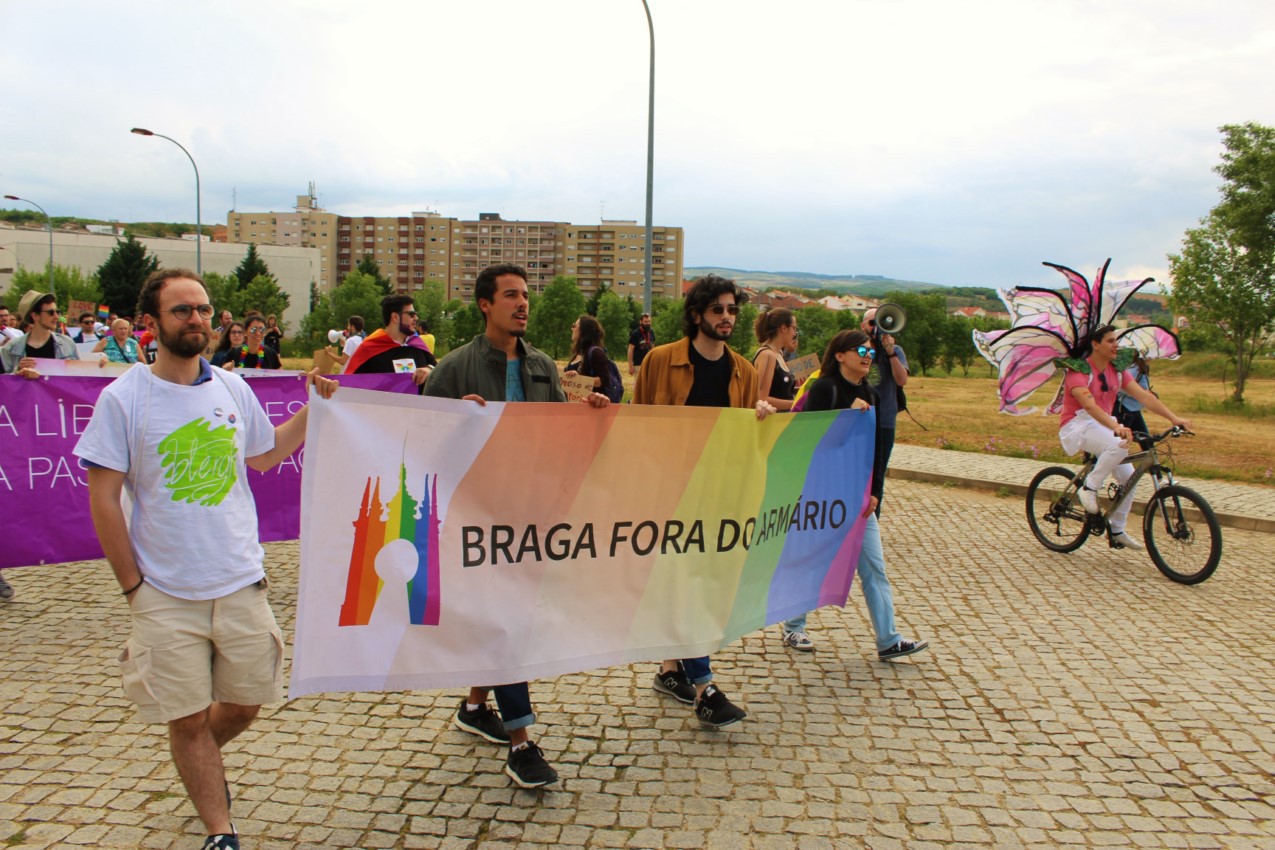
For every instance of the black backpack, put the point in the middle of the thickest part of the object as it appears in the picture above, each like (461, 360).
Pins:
(615, 388)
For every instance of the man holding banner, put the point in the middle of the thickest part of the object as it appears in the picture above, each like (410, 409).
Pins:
(39, 311)
(700, 370)
(205, 652)
(499, 365)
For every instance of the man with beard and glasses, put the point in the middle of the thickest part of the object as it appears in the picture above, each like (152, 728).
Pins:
(205, 652)
(499, 365)
(397, 347)
(701, 370)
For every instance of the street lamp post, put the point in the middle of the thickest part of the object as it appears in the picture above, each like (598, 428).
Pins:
(199, 229)
(650, 164)
(49, 222)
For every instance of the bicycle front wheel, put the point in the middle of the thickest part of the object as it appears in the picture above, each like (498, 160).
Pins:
(1054, 513)
(1182, 534)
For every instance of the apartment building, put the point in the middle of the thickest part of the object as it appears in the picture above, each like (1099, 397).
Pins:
(428, 246)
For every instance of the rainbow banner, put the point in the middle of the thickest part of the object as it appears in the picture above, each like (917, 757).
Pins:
(445, 544)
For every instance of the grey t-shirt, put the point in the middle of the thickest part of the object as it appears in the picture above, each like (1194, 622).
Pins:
(888, 410)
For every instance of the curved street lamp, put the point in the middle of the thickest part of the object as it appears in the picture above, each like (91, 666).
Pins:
(49, 222)
(199, 229)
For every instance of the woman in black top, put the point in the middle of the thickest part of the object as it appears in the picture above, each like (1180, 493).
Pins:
(588, 356)
(843, 384)
(777, 332)
(274, 336)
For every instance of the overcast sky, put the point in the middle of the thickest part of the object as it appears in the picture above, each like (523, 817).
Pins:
(959, 143)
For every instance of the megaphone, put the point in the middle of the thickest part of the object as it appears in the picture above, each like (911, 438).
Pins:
(335, 337)
(890, 318)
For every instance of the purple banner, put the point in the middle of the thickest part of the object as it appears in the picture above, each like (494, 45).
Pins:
(44, 495)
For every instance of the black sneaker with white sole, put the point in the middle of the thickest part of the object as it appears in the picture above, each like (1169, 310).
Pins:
(528, 768)
(713, 709)
(902, 648)
(676, 685)
(482, 722)
(221, 842)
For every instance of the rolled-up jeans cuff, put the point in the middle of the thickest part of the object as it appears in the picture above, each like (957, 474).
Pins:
(520, 722)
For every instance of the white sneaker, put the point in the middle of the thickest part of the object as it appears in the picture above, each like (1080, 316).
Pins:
(1089, 500)
(799, 641)
(1121, 539)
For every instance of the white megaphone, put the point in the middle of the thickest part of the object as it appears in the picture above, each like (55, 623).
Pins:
(890, 318)
(335, 337)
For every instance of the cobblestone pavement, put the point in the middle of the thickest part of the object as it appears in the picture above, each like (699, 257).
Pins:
(1067, 701)
(1237, 505)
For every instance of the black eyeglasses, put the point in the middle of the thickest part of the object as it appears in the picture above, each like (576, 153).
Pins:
(53, 312)
(411, 313)
(719, 309)
(183, 311)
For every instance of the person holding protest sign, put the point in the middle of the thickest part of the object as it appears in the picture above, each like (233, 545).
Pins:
(842, 384)
(499, 365)
(39, 312)
(589, 357)
(205, 652)
(701, 370)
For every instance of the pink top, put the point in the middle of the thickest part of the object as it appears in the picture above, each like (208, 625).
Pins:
(1106, 398)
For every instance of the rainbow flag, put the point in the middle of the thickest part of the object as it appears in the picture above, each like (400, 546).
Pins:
(446, 544)
(103, 312)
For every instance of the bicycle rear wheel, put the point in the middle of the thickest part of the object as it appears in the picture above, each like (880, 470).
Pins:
(1182, 534)
(1054, 513)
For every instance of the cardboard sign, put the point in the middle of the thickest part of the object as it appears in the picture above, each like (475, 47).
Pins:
(325, 362)
(79, 308)
(578, 387)
(802, 367)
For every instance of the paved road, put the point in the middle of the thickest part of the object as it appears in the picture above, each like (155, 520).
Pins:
(1069, 700)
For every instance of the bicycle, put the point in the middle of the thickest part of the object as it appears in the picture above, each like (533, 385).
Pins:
(1181, 531)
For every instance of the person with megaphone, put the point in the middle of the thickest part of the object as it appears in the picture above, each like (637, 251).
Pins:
(881, 324)
(348, 341)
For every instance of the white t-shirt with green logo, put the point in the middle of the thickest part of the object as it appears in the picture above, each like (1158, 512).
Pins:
(182, 448)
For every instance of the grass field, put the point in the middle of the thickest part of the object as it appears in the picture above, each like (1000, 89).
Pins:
(961, 415)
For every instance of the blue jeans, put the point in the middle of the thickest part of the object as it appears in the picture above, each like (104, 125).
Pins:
(876, 589)
(514, 702)
(698, 670)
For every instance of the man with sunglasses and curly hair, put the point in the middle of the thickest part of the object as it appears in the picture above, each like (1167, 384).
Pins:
(701, 370)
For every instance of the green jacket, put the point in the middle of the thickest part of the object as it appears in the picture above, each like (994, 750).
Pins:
(478, 369)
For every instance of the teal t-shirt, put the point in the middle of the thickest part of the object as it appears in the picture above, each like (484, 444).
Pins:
(513, 380)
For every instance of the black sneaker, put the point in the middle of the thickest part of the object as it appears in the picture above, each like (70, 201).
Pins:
(713, 709)
(221, 842)
(482, 722)
(528, 767)
(6, 590)
(902, 648)
(676, 685)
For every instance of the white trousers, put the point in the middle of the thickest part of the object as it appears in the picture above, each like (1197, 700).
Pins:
(1083, 433)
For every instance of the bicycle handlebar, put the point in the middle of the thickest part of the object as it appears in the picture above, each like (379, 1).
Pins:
(1175, 431)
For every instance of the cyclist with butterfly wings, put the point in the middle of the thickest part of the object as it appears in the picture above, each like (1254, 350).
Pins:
(1089, 393)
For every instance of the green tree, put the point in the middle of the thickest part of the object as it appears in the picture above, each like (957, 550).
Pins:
(613, 315)
(70, 284)
(123, 273)
(429, 302)
(356, 295)
(816, 326)
(666, 319)
(1215, 284)
(264, 295)
(549, 327)
(595, 300)
(922, 336)
(223, 293)
(250, 268)
(467, 323)
(372, 268)
(1225, 274)
(744, 339)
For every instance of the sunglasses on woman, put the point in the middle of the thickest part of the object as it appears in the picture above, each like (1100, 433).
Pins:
(865, 351)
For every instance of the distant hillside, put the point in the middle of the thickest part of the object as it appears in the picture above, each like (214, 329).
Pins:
(861, 284)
